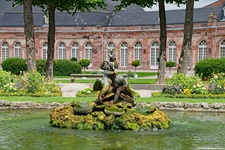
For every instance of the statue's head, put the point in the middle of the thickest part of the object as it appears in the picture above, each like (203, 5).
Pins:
(104, 65)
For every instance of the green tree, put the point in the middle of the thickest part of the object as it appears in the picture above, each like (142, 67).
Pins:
(135, 64)
(29, 33)
(84, 63)
(170, 64)
(49, 7)
(163, 37)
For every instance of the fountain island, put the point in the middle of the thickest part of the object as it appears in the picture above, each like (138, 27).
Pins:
(114, 108)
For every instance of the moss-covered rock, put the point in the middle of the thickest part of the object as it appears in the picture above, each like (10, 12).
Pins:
(110, 116)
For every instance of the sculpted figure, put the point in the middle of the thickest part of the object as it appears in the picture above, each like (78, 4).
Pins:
(122, 90)
(108, 78)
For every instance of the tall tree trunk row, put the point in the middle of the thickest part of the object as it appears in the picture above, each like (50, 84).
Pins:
(163, 38)
(187, 40)
(29, 35)
(51, 43)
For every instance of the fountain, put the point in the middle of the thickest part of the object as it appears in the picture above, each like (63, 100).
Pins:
(114, 108)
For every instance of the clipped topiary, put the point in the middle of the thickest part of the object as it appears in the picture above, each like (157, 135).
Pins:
(84, 63)
(170, 64)
(135, 64)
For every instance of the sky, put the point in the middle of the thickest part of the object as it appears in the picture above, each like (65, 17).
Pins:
(199, 4)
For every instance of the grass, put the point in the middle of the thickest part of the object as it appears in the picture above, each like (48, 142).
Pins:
(89, 99)
(92, 80)
(140, 74)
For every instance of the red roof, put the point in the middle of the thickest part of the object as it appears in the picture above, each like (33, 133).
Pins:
(217, 3)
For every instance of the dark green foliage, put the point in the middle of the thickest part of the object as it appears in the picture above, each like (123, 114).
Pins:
(206, 67)
(41, 66)
(74, 59)
(84, 63)
(66, 67)
(170, 64)
(14, 65)
(135, 63)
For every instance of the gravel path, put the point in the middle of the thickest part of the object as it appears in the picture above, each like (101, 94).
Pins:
(70, 89)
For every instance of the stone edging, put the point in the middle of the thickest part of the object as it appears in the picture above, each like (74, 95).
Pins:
(29, 105)
(177, 106)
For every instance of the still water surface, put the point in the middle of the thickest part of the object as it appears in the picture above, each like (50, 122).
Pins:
(30, 130)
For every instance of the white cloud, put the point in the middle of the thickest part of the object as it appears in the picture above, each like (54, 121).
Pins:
(199, 4)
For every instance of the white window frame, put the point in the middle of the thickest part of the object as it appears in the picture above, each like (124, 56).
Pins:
(62, 50)
(17, 50)
(202, 50)
(5, 51)
(138, 52)
(75, 50)
(45, 50)
(222, 49)
(172, 56)
(88, 52)
(124, 54)
(154, 54)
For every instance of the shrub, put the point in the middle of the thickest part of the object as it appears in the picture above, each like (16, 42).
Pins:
(135, 64)
(14, 65)
(41, 66)
(84, 63)
(6, 81)
(66, 67)
(130, 74)
(206, 67)
(74, 59)
(170, 64)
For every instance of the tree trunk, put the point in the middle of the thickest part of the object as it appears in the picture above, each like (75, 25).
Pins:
(29, 35)
(51, 42)
(187, 41)
(163, 38)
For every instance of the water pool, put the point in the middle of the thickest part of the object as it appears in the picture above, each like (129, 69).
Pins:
(30, 130)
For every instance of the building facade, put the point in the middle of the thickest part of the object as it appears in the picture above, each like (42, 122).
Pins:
(131, 34)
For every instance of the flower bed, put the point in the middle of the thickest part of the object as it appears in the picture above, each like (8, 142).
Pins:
(181, 86)
(27, 84)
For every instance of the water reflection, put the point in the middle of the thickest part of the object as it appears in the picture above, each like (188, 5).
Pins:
(26, 129)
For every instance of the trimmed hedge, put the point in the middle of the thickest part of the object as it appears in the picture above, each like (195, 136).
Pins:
(197, 96)
(61, 67)
(66, 67)
(14, 65)
(206, 67)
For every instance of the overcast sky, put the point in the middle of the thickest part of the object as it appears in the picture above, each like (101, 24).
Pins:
(200, 3)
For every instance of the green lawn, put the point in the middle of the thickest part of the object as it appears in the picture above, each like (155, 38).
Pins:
(140, 74)
(89, 99)
(92, 80)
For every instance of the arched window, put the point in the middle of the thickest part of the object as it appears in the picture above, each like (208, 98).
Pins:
(17, 50)
(5, 51)
(45, 50)
(110, 50)
(138, 51)
(202, 50)
(88, 51)
(222, 49)
(172, 51)
(75, 50)
(154, 54)
(123, 54)
(62, 51)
